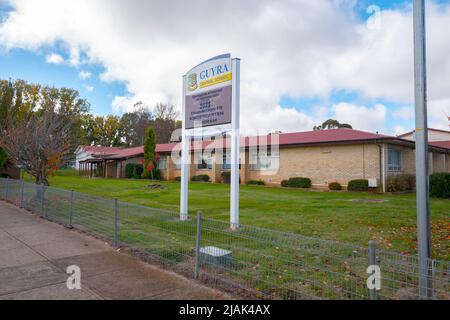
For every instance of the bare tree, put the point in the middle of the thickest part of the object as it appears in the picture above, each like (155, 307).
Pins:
(164, 122)
(41, 145)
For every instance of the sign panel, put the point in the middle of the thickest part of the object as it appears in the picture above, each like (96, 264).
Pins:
(208, 94)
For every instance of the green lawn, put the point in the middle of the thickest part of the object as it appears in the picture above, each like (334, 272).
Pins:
(390, 220)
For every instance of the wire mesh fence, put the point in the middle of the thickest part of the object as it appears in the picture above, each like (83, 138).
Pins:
(250, 261)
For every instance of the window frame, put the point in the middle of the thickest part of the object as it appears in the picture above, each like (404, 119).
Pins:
(394, 167)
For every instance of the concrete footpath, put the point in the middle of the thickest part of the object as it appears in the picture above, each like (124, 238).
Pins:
(35, 253)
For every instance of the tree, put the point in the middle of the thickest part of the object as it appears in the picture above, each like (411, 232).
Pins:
(332, 124)
(150, 153)
(164, 122)
(40, 131)
(3, 158)
(134, 125)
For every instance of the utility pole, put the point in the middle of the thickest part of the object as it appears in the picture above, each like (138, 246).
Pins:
(421, 138)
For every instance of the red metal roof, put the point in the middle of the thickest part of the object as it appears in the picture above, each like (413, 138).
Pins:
(441, 144)
(100, 150)
(284, 139)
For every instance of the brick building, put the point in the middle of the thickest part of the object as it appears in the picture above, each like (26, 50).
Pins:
(323, 156)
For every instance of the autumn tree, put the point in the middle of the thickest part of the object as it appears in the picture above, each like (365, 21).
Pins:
(39, 133)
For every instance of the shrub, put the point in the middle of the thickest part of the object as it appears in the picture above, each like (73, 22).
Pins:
(401, 182)
(440, 185)
(177, 179)
(299, 182)
(201, 177)
(335, 186)
(284, 183)
(358, 185)
(226, 177)
(134, 170)
(256, 182)
(4, 175)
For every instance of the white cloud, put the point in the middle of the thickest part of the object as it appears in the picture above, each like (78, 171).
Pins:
(404, 113)
(362, 117)
(290, 48)
(398, 130)
(89, 88)
(54, 58)
(84, 75)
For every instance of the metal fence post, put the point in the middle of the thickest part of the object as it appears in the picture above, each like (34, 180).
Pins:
(197, 245)
(6, 189)
(372, 262)
(42, 201)
(70, 208)
(115, 222)
(22, 187)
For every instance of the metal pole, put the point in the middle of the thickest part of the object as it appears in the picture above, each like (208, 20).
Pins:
(197, 245)
(42, 201)
(421, 138)
(372, 262)
(184, 161)
(115, 222)
(22, 187)
(235, 145)
(6, 189)
(71, 209)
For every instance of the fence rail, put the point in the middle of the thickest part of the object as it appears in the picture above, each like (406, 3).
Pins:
(251, 261)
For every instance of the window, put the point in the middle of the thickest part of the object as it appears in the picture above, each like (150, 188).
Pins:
(394, 160)
(162, 163)
(227, 162)
(205, 165)
(265, 161)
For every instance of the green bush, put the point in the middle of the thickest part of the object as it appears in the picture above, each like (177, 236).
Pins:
(336, 186)
(134, 170)
(201, 178)
(299, 182)
(358, 185)
(284, 183)
(226, 177)
(440, 185)
(401, 182)
(256, 182)
(177, 179)
(4, 175)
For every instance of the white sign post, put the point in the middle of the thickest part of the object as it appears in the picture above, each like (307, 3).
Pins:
(235, 146)
(211, 98)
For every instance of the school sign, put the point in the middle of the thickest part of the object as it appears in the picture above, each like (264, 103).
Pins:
(208, 93)
(211, 98)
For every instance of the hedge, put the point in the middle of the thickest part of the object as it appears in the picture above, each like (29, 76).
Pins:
(201, 177)
(256, 182)
(5, 175)
(134, 170)
(358, 185)
(299, 182)
(440, 185)
(336, 186)
(401, 182)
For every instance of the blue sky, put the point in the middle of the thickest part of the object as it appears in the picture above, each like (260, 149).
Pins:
(31, 65)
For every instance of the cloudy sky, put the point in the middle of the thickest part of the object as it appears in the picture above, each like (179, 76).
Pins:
(303, 61)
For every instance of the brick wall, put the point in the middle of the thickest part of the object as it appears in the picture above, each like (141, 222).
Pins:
(325, 164)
